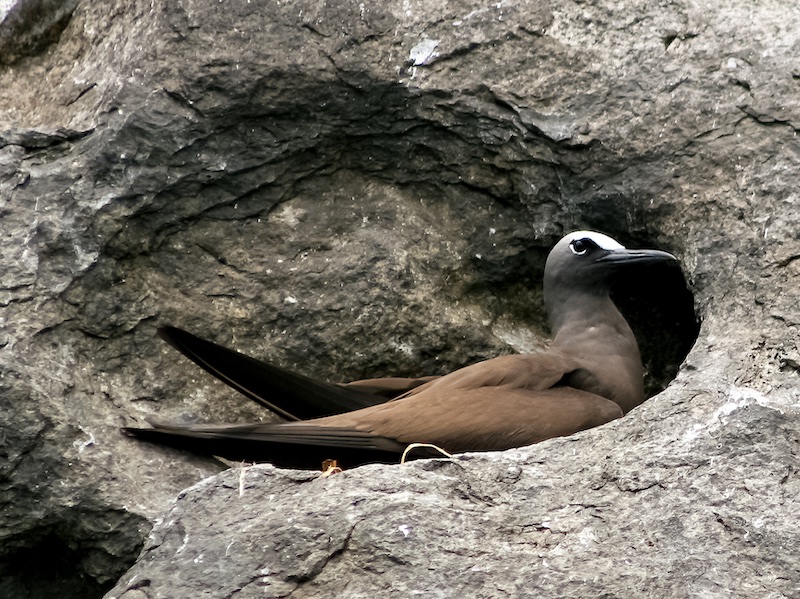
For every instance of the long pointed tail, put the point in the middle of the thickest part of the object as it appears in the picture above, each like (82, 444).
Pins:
(293, 396)
(293, 445)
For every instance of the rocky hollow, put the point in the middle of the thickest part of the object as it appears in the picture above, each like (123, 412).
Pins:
(357, 189)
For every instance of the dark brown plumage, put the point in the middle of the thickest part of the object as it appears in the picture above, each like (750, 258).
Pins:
(591, 374)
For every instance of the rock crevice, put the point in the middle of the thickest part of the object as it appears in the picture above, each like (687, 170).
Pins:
(362, 189)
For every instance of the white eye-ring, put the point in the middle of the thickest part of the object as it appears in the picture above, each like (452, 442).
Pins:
(580, 246)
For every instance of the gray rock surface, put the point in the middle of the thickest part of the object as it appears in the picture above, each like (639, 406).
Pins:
(355, 189)
(29, 27)
(525, 523)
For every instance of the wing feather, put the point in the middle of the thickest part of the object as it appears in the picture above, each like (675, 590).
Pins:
(294, 396)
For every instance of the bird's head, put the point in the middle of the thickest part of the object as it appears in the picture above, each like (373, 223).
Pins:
(584, 262)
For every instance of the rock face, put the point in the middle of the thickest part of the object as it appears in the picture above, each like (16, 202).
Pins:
(28, 27)
(357, 189)
(520, 523)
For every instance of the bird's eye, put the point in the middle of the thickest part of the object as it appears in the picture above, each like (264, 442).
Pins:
(580, 246)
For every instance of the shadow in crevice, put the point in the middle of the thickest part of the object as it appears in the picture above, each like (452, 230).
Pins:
(659, 307)
(49, 568)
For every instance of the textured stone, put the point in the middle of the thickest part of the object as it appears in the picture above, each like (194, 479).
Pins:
(533, 522)
(356, 189)
(28, 27)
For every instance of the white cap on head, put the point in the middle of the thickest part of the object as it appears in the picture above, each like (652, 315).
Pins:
(603, 241)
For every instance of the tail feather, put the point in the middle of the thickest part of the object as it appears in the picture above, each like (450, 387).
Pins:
(295, 445)
(293, 396)
(289, 394)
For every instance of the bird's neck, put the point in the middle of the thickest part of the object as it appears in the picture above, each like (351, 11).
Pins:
(581, 317)
(592, 330)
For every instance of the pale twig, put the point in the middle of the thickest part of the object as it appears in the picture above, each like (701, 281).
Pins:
(428, 445)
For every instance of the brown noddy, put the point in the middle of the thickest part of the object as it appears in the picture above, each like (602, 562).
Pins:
(590, 375)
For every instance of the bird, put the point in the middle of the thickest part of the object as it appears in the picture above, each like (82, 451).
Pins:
(590, 374)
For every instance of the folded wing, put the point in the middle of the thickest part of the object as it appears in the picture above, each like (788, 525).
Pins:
(289, 394)
(506, 402)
